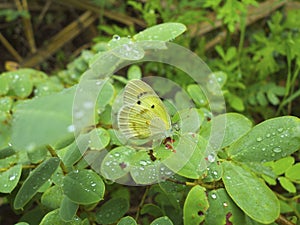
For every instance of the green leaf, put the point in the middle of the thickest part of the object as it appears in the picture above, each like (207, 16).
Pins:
(70, 154)
(20, 84)
(10, 178)
(189, 120)
(236, 125)
(83, 186)
(194, 166)
(99, 139)
(116, 163)
(222, 210)
(128, 220)
(6, 104)
(134, 72)
(68, 209)
(281, 165)
(52, 197)
(287, 184)
(53, 217)
(152, 210)
(235, 102)
(4, 85)
(44, 120)
(162, 221)
(105, 95)
(263, 206)
(112, 210)
(161, 32)
(37, 155)
(34, 181)
(293, 172)
(195, 206)
(270, 140)
(213, 172)
(197, 94)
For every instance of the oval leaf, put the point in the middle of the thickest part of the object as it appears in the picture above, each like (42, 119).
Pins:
(270, 140)
(10, 178)
(37, 124)
(112, 210)
(222, 210)
(68, 209)
(128, 220)
(161, 32)
(162, 221)
(263, 206)
(34, 181)
(53, 217)
(195, 206)
(83, 187)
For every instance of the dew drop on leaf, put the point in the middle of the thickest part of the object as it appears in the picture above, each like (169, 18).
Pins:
(259, 139)
(277, 149)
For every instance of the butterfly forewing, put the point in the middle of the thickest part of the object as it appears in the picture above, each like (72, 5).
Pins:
(143, 114)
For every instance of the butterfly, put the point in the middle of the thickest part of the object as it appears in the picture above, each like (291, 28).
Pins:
(143, 115)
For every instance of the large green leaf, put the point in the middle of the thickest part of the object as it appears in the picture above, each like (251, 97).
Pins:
(53, 217)
(68, 209)
(117, 163)
(52, 197)
(222, 210)
(262, 206)
(127, 221)
(269, 140)
(161, 32)
(44, 120)
(162, 221)
(195, 206)
(112, 210)
(34, 181)
(83, 186)
(10, 178)
(236, 125)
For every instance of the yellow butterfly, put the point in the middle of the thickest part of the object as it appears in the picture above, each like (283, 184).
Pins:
(143, 114)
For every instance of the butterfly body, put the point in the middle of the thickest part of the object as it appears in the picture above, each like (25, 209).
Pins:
(143, 115)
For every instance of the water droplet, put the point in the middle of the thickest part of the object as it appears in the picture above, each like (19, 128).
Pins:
(225, 204)
(211, 158)
(268, 135)
(263, 149)
(228, 177)
(78, 114)
(277, 149)
(88, 105)
(259, 139)
(143, 163)
(71, 128)
(12, 177)
(116, 37)
(214, 196)
(280, 129)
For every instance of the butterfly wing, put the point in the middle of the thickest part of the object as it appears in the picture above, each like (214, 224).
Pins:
(143, 114)
(135, 90)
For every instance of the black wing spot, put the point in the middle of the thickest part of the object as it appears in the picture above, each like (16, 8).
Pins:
(139, 102)
(152, 106)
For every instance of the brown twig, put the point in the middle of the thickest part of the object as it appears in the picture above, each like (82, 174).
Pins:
(10, 48)
(121, 18)
(27, 25)
(60, 39)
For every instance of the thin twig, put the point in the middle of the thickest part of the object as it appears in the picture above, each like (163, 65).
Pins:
(60, 39)
(27, 25)
(10, 48)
